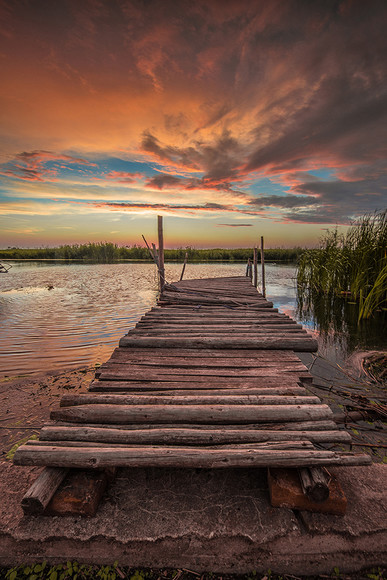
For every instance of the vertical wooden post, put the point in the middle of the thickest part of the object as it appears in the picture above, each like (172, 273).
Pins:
(263, 269)
(161, 252)
(255, 267)
(184, 265)
(249, 269)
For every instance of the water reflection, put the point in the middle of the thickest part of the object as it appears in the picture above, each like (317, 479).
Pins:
(61, 316)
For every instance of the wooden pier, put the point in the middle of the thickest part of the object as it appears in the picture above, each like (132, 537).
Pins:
(208, 378)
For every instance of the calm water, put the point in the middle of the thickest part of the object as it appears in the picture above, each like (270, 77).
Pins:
(61, 316)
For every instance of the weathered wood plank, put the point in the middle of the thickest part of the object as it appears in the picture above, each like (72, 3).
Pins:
(304, 344)
(205, 354)
(117, 414)
(181, 435)
(204, 330)
(162, 368)
(222, 363)
(320, 425)
(197, 383)
(179, 457)
(71, 400)
(122, 373)
(280, 444)
(173, 388)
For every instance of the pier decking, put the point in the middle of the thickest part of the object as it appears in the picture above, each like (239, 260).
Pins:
(208, 378)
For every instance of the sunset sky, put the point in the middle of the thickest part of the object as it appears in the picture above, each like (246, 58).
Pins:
(231, 118)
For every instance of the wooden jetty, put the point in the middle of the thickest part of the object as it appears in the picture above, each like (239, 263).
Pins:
(208, 378)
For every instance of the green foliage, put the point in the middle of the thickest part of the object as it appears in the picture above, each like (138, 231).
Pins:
(352, 265)
(107, 252)
(13, 449)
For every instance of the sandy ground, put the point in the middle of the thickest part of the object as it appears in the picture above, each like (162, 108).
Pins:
(26, 402)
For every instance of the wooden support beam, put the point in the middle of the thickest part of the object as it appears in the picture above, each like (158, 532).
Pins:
(41, 491)
(314, 483)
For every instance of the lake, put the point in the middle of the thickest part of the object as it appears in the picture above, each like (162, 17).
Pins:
(61, 316)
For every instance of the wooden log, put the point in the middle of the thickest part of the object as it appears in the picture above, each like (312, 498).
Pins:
(179, 457)
(314, 483)
(205, 354)
(225, 313)
(196, 363)
(196, 383)
(133, 371)
(119, 387)
(203, 329)
(323, 425)
(116, 414)
(41, 491)
(196, 380)
(121, 373)
(186, 435)
(280, 444)
(71, 400)
(125, 356)
(213, 308)
(163, 321)
(297, 344)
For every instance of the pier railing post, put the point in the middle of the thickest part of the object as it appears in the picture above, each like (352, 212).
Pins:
(263, 268)
(161, 252)
(255, 282)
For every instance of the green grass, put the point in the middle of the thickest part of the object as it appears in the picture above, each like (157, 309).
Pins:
(352, 266)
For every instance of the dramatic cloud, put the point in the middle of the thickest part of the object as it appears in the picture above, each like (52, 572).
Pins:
(275, 109)
(235, 225)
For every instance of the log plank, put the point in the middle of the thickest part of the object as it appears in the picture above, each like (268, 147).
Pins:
(71, 400)
(186, 435)
(179, 457)
(297, 344)
(223, 414)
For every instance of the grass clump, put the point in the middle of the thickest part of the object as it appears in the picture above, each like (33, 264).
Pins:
(351, 265)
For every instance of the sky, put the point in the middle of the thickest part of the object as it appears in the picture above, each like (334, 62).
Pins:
(231, 118)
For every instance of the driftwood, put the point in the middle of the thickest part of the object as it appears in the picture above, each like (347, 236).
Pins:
(180, 457)
(41, 491)
(314, 483)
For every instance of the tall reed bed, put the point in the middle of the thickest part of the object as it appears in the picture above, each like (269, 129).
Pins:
(352, 265)
(109, 252)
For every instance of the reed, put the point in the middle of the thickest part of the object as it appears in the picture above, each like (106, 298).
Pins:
(352, 265)
(110, 252)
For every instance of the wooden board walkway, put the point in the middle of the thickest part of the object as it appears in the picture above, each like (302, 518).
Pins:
(208, 378)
